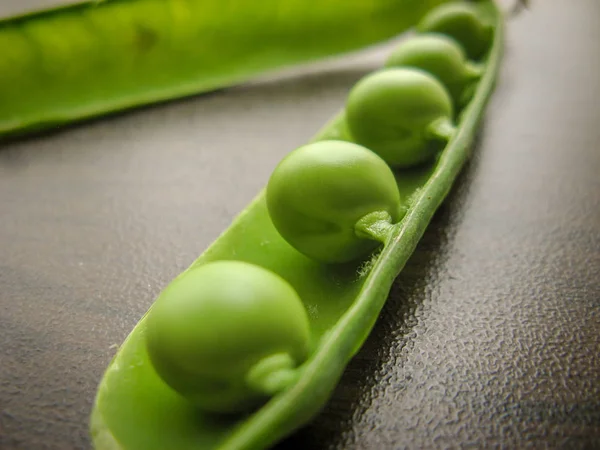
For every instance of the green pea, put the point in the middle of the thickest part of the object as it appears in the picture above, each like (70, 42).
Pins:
(441, 56)
(319, 192)
(395, 113)
(225, 332)
(461, 21)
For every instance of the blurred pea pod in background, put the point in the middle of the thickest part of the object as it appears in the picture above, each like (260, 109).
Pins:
(93, 58)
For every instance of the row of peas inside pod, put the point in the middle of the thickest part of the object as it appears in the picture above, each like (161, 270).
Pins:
(227, 335)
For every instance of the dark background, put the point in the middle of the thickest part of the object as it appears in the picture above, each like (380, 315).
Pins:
(491, 335)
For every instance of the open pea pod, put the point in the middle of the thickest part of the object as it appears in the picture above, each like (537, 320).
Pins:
(95, 57)
(136, 409)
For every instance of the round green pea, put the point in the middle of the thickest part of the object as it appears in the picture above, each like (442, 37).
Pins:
(439, 55)
(318, 193)
(389, 112)
(461, 21)
(212, 326)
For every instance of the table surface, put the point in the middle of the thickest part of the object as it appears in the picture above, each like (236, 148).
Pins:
(491, 334)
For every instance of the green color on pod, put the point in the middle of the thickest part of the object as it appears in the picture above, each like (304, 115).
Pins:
(396, 112)
(227, 334)
(461, 21)
(441, 56)
(87, 58)
(318, 193)
(319, 197)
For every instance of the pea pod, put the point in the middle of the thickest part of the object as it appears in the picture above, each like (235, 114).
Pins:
(136, 407)
(96, 57)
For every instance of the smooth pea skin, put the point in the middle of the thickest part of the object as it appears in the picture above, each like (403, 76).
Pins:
(462, 22)
(439, 55)
(391, 113)
(212, 326)
(318, 193)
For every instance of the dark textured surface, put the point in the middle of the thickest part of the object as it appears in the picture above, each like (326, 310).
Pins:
(491, 336)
